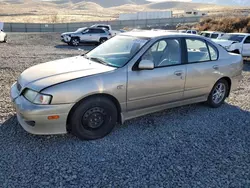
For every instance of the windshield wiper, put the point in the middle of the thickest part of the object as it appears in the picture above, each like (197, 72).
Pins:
(99, 60)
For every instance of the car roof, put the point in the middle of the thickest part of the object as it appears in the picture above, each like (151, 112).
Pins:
(212, 32)
(100, 25)
(246, 34)
(155, 34)
(100, 28)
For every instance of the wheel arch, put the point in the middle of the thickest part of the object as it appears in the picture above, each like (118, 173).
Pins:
(109, 96)
(229, 81)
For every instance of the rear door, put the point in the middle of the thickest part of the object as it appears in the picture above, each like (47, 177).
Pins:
(97, 34)
(246, 47)
(203, 68)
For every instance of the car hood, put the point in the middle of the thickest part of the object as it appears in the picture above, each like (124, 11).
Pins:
(47, 74)
(68, 33)
(224, 43)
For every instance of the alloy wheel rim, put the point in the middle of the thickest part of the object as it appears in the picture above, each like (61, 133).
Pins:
(75, 42)
(219, 93)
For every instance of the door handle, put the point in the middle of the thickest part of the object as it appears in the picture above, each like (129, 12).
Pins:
(215, 67)
(178, 73)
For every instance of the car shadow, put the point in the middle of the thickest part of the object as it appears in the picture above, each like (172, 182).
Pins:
(246, 66)
(11, 130)
(85, 47)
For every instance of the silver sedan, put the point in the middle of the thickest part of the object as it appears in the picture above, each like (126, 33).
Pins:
(130, 75)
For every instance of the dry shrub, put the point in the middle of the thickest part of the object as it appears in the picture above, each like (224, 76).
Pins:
(225, 24)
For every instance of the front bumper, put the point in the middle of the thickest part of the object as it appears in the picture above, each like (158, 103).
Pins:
(34, 118)
(65, 39)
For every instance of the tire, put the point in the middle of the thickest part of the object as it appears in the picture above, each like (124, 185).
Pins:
(102, 40)
(5, 39)
(216, 98)
(93, 118)
(75, 41)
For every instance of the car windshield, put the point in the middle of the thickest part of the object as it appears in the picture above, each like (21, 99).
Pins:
(233, 37)
(117, 51)
(80, 30)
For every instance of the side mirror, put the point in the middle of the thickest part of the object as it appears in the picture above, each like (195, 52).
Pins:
(146, 65)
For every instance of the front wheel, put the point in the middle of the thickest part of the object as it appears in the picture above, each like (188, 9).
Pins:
(75, 41)
(93, 118)
(218, 94)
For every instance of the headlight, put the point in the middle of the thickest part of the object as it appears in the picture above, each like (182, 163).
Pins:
(37, 98)
(227, 47)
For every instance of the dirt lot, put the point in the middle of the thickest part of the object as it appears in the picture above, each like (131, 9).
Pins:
(191, 146)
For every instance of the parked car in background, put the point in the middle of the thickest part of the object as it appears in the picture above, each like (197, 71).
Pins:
(236, 42)
(189, 31)
(130, 75)
(108, 27)
(86, 35)
(3, 36)
(212, 34)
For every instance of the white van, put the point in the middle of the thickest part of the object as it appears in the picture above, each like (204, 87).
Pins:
(212, 34)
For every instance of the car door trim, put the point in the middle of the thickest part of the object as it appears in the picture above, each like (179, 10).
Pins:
(155, 95)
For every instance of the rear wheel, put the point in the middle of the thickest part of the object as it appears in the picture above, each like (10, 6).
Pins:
(93, 118)
(75, 41)
(102, 40)
(5, 39)
(218, 94)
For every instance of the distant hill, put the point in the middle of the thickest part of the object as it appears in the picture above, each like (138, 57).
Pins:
(112, 3)
(181, 5)
(63, 11)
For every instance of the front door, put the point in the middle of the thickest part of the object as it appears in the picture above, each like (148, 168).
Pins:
(246, 47)
(164, 84)
(86, 36)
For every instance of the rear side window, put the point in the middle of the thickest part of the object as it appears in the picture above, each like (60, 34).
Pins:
(207, 35)
(214, 36)
(189, 32)
(194, 32)
(97, 31)
(197, 51)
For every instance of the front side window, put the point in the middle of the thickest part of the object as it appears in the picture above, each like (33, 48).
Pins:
(247, 41)
(164, 53)
(197, 51)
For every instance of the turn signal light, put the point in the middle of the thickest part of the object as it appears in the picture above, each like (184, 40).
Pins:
(53, 117)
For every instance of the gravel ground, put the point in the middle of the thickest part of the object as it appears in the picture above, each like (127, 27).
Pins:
(191, 146)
